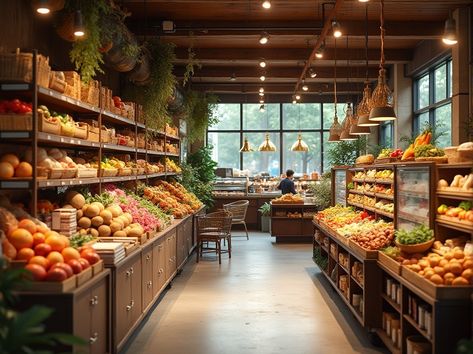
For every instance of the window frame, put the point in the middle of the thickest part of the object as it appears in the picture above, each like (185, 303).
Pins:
(432, 106)
(279, 131)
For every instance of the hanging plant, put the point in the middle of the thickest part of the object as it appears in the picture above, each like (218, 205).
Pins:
(85, 54)
(192, 62)
(154, 96)
(200, 115)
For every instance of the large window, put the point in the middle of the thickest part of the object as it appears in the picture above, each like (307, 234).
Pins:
(432, 101)
(283, 123)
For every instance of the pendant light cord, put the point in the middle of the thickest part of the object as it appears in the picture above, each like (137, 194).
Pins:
(381, 64)
(335, 77)
(366, 43)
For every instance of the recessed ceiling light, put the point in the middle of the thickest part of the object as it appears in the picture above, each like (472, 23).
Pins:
(261, 94)
(298, 97)
(262, 63)
(262, 77)
(43, 7)
(261, 89)
(266, 4)
(264, 38)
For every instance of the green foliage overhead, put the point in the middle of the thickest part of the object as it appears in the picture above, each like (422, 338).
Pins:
(154, 97)
(199, 108)
(85, 54)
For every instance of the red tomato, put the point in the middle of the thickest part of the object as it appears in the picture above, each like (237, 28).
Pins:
(66, 267)
(84, 263)
(91, 256)
(37, 272)
(56, 274)
(75, 265)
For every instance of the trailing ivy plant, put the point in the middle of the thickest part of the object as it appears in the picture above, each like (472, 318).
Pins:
(192, 62)
(85, 53)
(154, 96)
(199, 115)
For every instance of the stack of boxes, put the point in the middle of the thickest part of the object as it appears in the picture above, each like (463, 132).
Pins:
(65, 221)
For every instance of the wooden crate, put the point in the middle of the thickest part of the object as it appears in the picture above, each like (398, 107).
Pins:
(361, 252)
(84, 276)
(57, 81)
(73, 87)
(12, 122)
(389, 263)
(81, 131)
(18, 67)
(47, 126)
(97, 268)
(51, 287)
(440, 292)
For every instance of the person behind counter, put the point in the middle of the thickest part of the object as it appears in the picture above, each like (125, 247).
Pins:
(287, 185)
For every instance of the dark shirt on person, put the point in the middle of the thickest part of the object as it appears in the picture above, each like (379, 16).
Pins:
(287, 186)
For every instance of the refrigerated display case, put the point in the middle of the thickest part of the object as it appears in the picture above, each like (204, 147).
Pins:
(414, 195)
(340, 178)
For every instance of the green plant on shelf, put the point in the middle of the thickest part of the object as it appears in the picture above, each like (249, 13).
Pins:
(322, 193)
(265, 209)
(24, 332)
(320, 259)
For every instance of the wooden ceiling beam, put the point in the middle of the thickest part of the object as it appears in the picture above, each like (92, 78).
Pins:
(285, 98)
(299, 54)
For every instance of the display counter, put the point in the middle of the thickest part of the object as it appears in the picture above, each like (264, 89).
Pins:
(253, 217)
(292, 222)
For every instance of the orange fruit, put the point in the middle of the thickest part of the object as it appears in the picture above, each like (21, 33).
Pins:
(67, 243)
(6, 170)
(50, 233)
(56, 242)
(27, 224)
(11, 159)
(70, 253)
(24, 169)
(38, 238)
(40, 260)
(38, 272)
(25, 254)
(42, 229)
(55, 257)
(21, 238)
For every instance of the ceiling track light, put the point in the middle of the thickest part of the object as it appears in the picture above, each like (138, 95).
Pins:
(43, 7)
(262, 78)
(363, 0)
(319, 54)
(450, 32)
(266, 4)
(79, 30)
(261, 101)
(233, 77)
(298, 97)
(337, 31)
(262, 63)
(261, 89)
(261, 94)
(264, 38)
(304, 86)
(312, 73)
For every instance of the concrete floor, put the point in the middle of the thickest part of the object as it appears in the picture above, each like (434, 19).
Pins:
(269, 298)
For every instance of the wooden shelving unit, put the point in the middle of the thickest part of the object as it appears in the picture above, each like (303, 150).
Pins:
(294, 228)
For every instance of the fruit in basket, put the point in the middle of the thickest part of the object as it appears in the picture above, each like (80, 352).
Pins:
(12, 159)
(24, 169)
(21, 238)
(422, 139)
(75, 199)
(90, 256)
(56, 275)
(55, 257)
(6, 170)
(15, 106)
(57, 243)
(75, 265)
(25, 254)
(70, 253)
(42, 249)
(28, 225)
(9, 250)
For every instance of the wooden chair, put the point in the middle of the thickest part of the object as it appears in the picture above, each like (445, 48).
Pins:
(213, 228)
(238, 210)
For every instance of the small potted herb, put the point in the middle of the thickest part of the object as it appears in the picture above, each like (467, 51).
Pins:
(265, 211)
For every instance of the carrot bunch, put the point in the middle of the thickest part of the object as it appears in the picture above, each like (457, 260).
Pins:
(422, 139)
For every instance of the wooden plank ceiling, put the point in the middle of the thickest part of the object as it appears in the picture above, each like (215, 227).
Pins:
(225, 33)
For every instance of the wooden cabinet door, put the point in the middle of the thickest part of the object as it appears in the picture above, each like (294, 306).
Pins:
(168, 255)
(158, 268)
(173, 253)
(147, 277)
(188, 236)
(99, 303)
(162, 263)
(82, 320)
(180, 244)
(136, 290)
(122, 302)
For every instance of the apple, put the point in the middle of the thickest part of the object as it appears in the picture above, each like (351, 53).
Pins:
(75, 265)
(42, 249)
(91, 256)
(56, 274)
(84, 263)
(67, 268)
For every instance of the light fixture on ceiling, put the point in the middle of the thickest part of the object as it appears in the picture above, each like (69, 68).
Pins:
(312, 73)
(335, 128)
(261, 94)
(337, 30)
(262, 63)
(297, 96)
(319, 54)
(304, 86)
(347, 124)
(363, 0)
(261, 89)
(264, 38)
(261, 101)
(294, 101)
(262, 108)
(246, 146)
(450, 32)
(266, 4)
(364, 107)
(43, 7)
(299, 145)
(267, 145)
(356, 129)
(233, 77)
(382, 101)
(78, 24)
(262, 78)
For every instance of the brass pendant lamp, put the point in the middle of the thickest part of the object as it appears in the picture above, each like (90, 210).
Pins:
(364, 107)
(299, 145)
(267, 145)
(335, 128)
(246, 146)
(382, 102)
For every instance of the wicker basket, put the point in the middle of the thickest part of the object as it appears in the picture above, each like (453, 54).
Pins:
(41, 172)
(81, 131)
(105, 137)
(56, 173)
(69, 173)
(19, 67)
(126, 171)
(57, 81)
(86, 173)
(68, 130)
(73, 87)
(90, 93)
(12, 122)
(108, 172)
(93, 133)
(47, 126)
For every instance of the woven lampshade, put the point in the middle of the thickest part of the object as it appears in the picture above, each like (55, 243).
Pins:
(347, 124)
(363, 109)
(335, 130)
(356, 129)
(246, 146)
(267, 145)
(300, 145)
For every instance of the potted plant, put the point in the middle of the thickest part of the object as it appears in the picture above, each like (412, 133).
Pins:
(265, 211)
